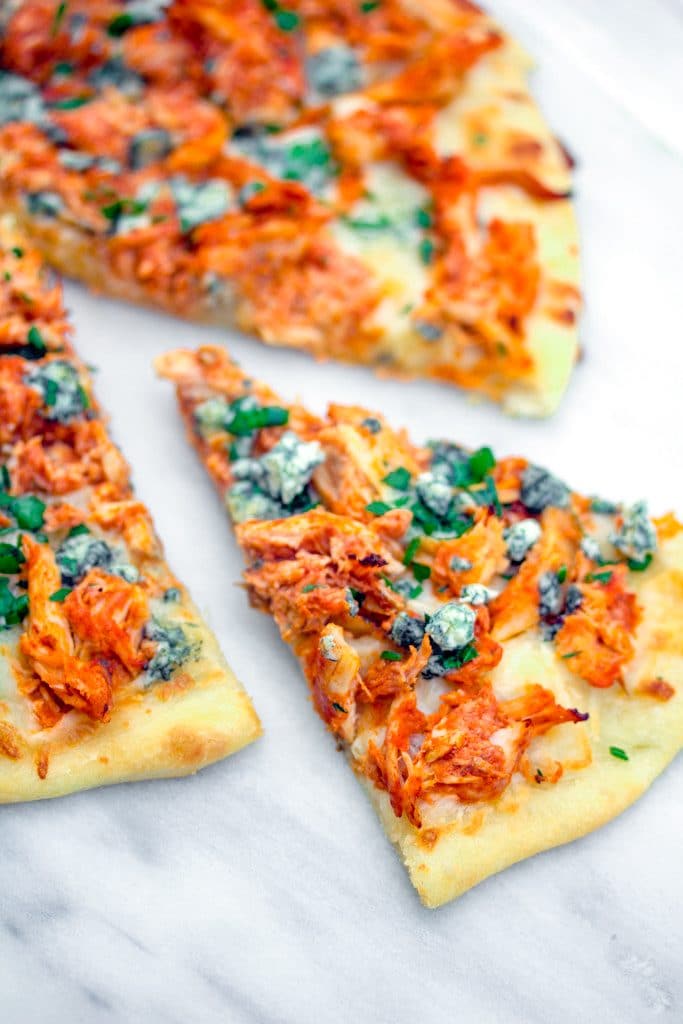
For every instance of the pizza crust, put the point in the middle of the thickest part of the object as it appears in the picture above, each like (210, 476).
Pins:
(443, 862)
(165, 731)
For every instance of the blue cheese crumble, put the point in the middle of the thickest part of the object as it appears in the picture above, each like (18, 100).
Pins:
(270, 486)
(61, 389)
(334, 70)
(637, 538)
(452, 626)
(434, 492)
(521, 537)
(78, 554)
(540, 490)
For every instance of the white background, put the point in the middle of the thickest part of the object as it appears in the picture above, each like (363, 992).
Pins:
(263, 889)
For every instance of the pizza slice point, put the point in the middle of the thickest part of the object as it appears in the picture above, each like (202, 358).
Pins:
(370, 182)
(107, 671)
(499, 655)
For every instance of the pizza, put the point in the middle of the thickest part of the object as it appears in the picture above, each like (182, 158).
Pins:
(107, 672)
(368, 180)
(499, 655)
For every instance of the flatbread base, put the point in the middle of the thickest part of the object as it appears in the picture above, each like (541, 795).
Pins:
(445, 862)
(169, 730)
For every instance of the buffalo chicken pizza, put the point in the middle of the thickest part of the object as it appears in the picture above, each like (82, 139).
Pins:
(107, 673)
(369, 181)
(500, 657)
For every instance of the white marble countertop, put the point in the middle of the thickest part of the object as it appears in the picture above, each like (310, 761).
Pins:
(263, 890)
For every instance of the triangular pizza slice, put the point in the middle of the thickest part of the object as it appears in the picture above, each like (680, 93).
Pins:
(107, 672)
(499, 655)
(371, 182)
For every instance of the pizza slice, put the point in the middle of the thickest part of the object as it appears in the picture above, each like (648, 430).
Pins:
(499, 656)
(107, 672)
(371, 182)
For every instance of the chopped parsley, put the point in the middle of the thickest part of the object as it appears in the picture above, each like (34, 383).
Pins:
(123, 207)
(461, 657)
(618, 753)
(339, 707)
(639, 566)
(11, 558)
(58, 18)
(27, 510)
(246, 421)
(391, 656)
(572, 654)
(309, 587)
(399, 479)
(426, 250)
(13, 608)
(561, 574)
(377, 508)
(480, 463)
(420, 571)
(61, 594)
(71, 103)
(411, 550)
(599, 577)
(36, 341)
(369, 5)
(120, 24)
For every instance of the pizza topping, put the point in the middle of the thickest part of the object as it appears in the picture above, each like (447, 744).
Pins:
(521, 537)
(63, 394)
(173, 649)
(81, 552)
(452, 626)
(540, 490)
(305, 174)
(332, 71)
(276, 483)
(400, 599)
(636, 537)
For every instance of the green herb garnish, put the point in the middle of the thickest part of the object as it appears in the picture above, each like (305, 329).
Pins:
(561, 574)
(121, 207)
(11, 558)
(36, 341)
(378, 508)
(246, 421)
(71, 103)
(77, 530)
(391, 656)
(12, 609)
(420, 571)
(58, 18)
(637, 566)
(61, 594)
(619, 753)
(120, 24)
(462, 657)
(411, 551)
(398, 479)
(599, 577)
(426, 250)
(338, 707)
(287, 20)
(480, 463)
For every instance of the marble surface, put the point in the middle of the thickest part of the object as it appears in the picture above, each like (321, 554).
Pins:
(263, 889)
